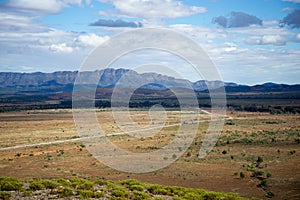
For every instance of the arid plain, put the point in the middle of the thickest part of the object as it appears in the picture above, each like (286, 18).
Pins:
(257, 154)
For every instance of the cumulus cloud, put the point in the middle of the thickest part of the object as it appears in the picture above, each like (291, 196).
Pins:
(116, 23)
(91, 39)
(276, 40)
(45, 6)
(149, 9)
(17, 23)
(237, 19)
(292, 19)
(37, 7)
(270, 22)
(61, 48)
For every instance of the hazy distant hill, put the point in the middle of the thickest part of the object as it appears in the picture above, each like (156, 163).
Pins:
(63, 82)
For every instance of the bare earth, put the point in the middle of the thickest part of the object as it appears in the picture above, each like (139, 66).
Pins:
(245, 136)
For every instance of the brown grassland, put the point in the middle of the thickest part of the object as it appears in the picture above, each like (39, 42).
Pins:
(257, 155)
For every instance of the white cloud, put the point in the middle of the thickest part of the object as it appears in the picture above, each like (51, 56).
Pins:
(273, 39)
(92, 39)
(293, 1)
(230, 47)
(18, 23)
(150, 9)
(61, 48)
(266, 39)
(270, 22)
(251, 66)
(201, 34)
(262, 30)
(44, 6)
(39, 7)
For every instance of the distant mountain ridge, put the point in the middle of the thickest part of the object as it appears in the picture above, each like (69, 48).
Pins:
(63, 81)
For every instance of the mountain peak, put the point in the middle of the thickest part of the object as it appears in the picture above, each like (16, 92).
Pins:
(269, 84)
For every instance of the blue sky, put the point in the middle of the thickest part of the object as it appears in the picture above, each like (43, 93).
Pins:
(249, 41)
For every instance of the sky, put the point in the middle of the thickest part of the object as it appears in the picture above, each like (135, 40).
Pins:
(249, 41)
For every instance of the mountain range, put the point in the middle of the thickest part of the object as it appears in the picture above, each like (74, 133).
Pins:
(11, 83)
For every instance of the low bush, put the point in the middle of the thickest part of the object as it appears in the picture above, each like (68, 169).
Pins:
(63, 182)
(136, 187)
(120, 192)
(259, 159)
(242, 175)
(5, 195)
(27, 193)
(85, 194)
(101, 181)
(138, 195)
(50, 184)
(81, 184)
(263, 183)
(130, 182)
(270, 194)
(65, 192)
(10, 184)
(36, 185)
(98, 194)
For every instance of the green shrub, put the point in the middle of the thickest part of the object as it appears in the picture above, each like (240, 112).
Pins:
(65, 192)
(259, 173)
(101, 182)
(10, 184)
(5, 195)
(27, 193)
(119, 192)
(263, 183)
(259, 159)
(81, 183)
(36, 185)
(270, 194)
(211, 196)
(50, 184)
(130, 182)
(63, 182)
(250, 167)
(136, 187)
(175, 190)
(192, 196)
(138, 195)
(163, 191)
(153, 188)
(269, 175)
(85, 194)
(242, 175)
(98, 194)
